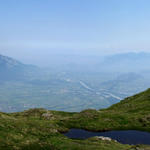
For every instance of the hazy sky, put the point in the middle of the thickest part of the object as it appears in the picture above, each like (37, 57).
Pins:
(37, 28)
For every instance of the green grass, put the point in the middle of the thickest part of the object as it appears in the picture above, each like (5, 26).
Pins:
(40, 129)
(131, 113)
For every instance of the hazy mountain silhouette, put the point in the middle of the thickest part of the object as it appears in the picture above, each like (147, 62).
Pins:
(11, 69)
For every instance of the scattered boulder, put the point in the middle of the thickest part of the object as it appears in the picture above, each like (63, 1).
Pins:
(47, 116)
(54, 131)
(35, 112)
(105, 138)
(90, 113)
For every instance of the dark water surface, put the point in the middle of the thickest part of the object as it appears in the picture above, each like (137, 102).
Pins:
(125, 137)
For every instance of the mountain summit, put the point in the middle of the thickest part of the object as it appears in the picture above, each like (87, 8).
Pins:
(11, 69)
(8, 62)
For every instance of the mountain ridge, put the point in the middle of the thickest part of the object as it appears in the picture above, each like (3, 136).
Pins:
(12, 69)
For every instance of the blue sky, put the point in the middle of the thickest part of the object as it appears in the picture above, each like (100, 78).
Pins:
(29, 27)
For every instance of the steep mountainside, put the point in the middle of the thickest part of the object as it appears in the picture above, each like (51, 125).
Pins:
(40, 129)
(11, 69)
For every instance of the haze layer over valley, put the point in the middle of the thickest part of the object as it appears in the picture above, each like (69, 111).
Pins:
(72, 83)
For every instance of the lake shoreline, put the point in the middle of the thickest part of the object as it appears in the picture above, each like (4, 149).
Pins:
(131, 137)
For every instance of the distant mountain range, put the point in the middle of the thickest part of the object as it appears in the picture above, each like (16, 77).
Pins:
(11, 69)
(120, 63)
(126, 62)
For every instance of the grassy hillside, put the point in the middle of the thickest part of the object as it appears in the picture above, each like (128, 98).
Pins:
(131, 113)
(39, 129)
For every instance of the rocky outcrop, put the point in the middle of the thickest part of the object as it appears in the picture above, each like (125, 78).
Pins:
(47, 116)
(105, 138)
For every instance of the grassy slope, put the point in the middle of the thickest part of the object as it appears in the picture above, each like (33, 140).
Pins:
(39, 129)
(131, 113)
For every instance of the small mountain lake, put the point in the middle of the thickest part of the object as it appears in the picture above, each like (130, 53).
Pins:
(132, 137)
